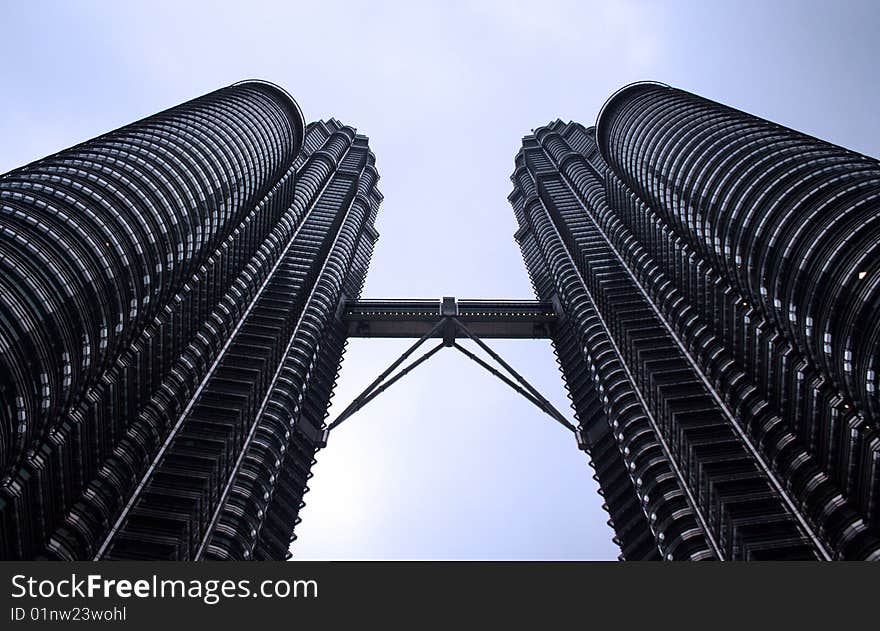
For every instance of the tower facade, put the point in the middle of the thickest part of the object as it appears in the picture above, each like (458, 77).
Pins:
(168, 303)
(717, 282)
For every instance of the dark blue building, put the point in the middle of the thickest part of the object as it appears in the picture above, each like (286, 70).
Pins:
(168, 294)
(718, 283)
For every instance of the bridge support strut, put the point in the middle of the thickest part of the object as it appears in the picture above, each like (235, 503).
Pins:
(448, 327)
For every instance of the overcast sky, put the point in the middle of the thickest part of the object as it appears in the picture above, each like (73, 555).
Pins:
(449, 463)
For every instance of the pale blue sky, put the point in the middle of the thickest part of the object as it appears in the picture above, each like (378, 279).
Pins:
(448, 463)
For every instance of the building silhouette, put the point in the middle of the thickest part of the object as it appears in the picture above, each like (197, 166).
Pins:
(167, 327)
(718, 283)
(176, 296)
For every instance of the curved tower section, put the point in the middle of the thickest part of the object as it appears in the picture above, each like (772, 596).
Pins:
(789, 223)
(97, 240)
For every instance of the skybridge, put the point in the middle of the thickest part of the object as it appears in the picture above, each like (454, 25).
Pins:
(450, 320)
(487, 319)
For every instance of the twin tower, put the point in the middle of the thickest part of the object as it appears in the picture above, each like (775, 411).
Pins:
(176, 295)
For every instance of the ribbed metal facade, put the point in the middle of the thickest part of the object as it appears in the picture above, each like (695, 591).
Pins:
(718, 284)
(168, 327)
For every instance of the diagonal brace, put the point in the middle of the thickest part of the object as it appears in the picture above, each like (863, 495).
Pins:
(536, 396)
(365, 398)
(368, 394)
(547, 409)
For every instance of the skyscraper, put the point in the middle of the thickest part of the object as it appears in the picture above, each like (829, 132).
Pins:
(176, 295)
(167, 325)
(717, 281)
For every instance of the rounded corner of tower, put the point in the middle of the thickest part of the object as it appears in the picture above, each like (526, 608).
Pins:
(610, 105)
(297, 118)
